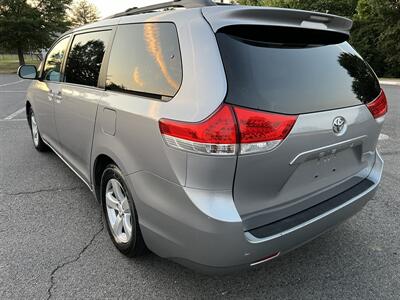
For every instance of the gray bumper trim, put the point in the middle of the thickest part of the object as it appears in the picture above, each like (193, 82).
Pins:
(374, 177)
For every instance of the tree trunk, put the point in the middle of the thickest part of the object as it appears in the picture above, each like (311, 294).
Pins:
(21, 57)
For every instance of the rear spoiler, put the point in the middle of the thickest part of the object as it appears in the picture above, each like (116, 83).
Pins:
(221, 16)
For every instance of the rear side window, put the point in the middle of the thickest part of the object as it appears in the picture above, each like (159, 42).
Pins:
(52, 67)
(85, 58)
(145, 60)
(292, 72)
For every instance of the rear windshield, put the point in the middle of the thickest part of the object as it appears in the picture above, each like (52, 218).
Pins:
(272, 70)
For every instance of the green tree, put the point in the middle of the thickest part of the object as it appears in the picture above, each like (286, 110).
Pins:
(83, 12)
(346, 8)
(251, 2)
(31, 25)
(376, 35)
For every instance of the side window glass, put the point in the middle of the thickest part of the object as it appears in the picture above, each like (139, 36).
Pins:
(85, 58)
(52, 67)
(145, 59)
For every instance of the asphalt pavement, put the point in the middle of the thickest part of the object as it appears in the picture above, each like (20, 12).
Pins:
(53, 242)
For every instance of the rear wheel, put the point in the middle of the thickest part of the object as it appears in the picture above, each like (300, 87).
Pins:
(36, 137)
(120, 213)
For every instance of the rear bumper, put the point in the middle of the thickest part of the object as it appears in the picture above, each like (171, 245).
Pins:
(208, 236)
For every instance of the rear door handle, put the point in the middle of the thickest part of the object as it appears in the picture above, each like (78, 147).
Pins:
(50, 95)
(58, 97)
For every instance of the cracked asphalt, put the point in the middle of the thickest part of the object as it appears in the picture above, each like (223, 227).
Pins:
(53, 243)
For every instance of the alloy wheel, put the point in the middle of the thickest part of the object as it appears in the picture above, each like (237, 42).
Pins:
(119, 212)
(35, 130)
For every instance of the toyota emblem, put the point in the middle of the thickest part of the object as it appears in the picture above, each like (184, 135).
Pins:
(339, 125)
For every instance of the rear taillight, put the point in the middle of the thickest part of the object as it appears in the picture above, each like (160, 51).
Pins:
(378, 107)
(261, 131)
(215, 135)
(228, 129)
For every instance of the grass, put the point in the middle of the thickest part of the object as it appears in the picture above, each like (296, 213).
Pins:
(9, 63)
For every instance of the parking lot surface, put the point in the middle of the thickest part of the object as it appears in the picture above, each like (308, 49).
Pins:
(53, 242)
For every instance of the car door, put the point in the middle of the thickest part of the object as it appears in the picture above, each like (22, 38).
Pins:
(47, 89)
(75, 106)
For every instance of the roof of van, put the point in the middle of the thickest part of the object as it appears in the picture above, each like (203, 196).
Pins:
(221, 16)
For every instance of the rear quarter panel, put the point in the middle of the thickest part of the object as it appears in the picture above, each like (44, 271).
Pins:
(137, 144)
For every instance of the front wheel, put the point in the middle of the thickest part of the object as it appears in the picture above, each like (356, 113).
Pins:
(120, 213)
(36, 137)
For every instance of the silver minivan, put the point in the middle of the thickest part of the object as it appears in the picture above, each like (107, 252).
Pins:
(219, 136)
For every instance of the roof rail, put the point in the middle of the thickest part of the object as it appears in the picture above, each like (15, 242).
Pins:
(171, 4)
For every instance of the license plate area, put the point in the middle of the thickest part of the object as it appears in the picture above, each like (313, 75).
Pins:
(330, 151)
(327, 168)
(337, 162)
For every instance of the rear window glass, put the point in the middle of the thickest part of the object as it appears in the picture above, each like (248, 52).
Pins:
(286, 74)
(145, 60)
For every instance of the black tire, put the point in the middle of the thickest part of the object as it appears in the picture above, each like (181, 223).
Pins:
(135, 246)
(38, 144)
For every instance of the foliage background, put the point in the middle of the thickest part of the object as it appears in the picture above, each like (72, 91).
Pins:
(376, 29)
(31, 25)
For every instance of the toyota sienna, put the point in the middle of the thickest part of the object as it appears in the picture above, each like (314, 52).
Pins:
(219, 136)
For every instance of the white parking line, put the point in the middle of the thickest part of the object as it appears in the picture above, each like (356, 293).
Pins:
(14, 114)
(11, 83)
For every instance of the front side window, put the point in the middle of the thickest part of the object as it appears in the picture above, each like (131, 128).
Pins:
(85, 58)
(52, 67)
(145, 60)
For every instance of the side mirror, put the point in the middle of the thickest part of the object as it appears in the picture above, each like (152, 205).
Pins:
(27, 72)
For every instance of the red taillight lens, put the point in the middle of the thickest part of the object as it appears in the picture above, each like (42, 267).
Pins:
(219, 128)
(378, 107)
(256, 126)
(229, 126)
(215, 135)
(261, 131)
